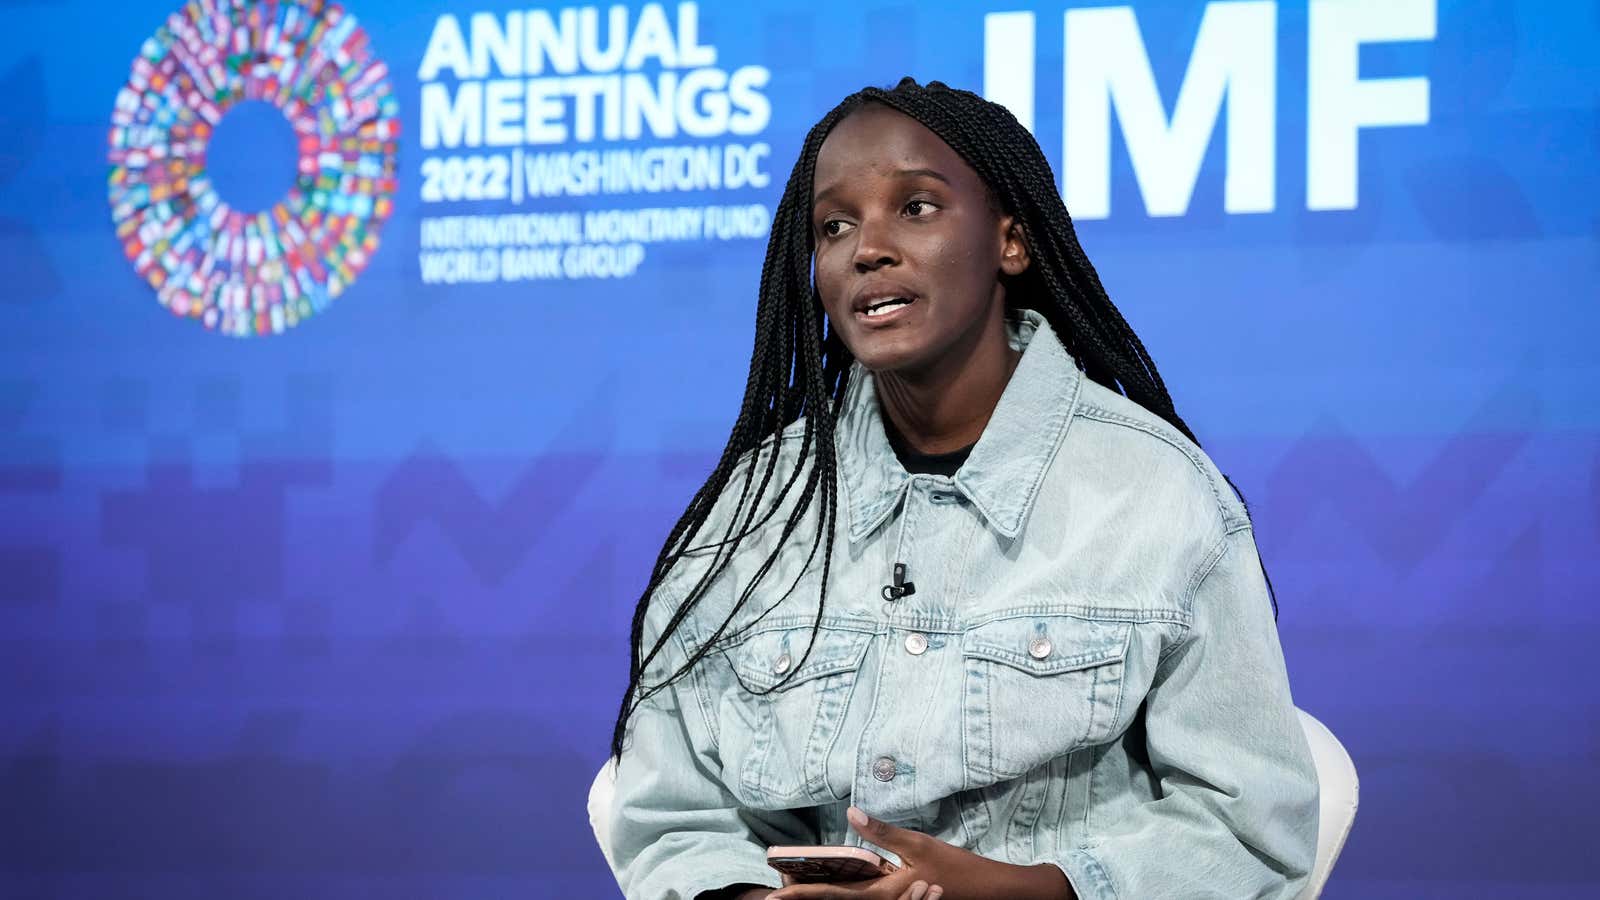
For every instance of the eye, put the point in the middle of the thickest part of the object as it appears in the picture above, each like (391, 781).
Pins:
(919, 208)
(835, 227)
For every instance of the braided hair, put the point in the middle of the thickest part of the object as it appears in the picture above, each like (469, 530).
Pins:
(799, 367)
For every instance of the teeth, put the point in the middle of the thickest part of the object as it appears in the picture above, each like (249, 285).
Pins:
(886, 305)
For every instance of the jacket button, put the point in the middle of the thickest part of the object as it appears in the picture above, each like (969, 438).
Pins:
(1039, 647)
(883, 768)
(781, 665)
(916, 642)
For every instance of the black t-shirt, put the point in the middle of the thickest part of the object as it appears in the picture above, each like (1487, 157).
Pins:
(916, 463)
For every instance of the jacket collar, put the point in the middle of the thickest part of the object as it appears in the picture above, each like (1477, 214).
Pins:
(1001, 477)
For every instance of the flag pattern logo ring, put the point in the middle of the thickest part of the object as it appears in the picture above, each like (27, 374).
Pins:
(253, 273)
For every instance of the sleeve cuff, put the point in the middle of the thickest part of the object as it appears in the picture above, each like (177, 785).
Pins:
(694, 883)
(1089, 880)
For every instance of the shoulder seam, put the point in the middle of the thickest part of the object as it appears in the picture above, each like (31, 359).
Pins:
(694, 677)
(1219, 549)
(794, 431)
(1100, 414)
(1214, 554)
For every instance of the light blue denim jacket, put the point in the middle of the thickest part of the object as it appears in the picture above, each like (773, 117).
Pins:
(1087, 674)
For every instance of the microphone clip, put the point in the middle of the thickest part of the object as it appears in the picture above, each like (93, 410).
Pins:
(901, 587)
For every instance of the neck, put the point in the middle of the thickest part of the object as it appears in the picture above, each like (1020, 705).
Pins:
(946, 406)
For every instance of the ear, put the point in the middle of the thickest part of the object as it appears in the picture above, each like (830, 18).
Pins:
(1014, 258)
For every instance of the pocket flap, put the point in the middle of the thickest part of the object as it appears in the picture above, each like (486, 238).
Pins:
(766, 658)
(1048, 644)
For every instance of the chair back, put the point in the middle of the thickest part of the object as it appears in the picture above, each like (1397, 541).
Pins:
(1339, 793)
(605, 783)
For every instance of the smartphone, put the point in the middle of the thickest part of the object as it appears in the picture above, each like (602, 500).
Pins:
(813, 864)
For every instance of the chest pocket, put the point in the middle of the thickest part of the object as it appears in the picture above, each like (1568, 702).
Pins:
(1038, 687)
(781, 716)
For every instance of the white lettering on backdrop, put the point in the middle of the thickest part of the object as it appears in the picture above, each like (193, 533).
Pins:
(1235, 58)
(509, 99)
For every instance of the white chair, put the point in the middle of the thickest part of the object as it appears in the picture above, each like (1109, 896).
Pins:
(1336, 774)
(600, 808)
(1340, 793)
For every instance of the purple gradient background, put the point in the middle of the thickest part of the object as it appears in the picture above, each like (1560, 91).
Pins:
(344, 612)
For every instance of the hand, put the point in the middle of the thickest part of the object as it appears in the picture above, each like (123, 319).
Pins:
(945, 870)
(889, 887)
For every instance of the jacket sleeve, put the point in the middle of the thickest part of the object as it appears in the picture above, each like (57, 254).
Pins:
(1237, 813)
(676, 830)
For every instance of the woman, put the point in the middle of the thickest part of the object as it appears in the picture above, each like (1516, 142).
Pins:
(962, 587)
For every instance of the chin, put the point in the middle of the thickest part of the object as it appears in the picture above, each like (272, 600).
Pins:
(884, 356)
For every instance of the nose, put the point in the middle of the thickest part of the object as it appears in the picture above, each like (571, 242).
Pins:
(875, 247)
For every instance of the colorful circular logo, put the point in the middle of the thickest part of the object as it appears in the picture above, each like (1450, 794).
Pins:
(253, 273)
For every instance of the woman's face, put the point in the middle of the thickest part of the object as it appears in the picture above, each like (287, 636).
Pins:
(909, 250)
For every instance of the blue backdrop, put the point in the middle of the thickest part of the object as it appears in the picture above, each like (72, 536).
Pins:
(339, 608)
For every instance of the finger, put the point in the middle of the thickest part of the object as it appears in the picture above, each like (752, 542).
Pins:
(818, 891)
(934, 893)
(903, 841)
(917, 890)
(844, 890)
(804, 892)
(886, 887)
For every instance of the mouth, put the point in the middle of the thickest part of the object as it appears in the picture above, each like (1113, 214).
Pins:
(888, 306)
(882, 305)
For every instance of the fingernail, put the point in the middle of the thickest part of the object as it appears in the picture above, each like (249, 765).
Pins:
(935, 892)
(919, 890)
(856, 817)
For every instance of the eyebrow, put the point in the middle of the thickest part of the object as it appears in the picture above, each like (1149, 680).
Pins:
(898, 173)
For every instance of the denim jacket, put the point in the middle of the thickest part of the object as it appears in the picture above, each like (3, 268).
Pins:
(1086, 674)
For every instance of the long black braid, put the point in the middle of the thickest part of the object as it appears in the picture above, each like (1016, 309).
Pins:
(799, 367)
